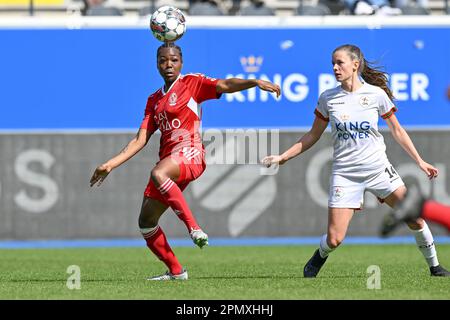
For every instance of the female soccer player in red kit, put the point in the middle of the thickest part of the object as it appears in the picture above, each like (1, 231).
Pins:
(175, 111)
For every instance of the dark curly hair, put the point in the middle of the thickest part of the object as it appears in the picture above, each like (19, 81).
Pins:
(169, 45)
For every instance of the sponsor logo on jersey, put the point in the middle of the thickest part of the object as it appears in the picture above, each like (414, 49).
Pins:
(355, 130)
(352, 126)
(164, 123)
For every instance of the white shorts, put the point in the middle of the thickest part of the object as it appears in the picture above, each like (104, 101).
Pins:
(347, 189)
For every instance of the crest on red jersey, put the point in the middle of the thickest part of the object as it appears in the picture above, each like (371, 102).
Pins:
(173, 99)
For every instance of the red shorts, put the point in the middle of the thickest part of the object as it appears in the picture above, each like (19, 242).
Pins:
(189, 171)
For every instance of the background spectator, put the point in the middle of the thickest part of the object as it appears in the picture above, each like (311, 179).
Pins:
(205, 8)
(98, 8)
(369, 7)
(256, 8)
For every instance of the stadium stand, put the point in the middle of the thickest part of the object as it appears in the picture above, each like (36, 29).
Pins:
(310, 10)
(146, 10)
(336, 7)
(205, 8)
(229, 7)
(99, 8)
(414, 10)
(256, 8)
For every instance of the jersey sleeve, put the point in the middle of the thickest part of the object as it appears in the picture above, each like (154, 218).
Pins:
(149, 122)
(203, 88)
(321, 110)
(386, 107)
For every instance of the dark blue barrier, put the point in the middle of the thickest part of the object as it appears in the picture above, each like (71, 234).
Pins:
(100, 78)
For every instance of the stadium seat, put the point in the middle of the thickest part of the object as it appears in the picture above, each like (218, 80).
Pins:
(103, 11)
(256, 8)
(414, 11)
(205, 8)
(336, 6)
(147, 10)
(309, 10)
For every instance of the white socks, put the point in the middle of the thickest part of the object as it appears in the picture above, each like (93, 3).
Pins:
(324, 249)
(425, 242)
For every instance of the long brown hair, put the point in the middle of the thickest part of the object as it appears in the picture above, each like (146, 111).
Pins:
(370, 73)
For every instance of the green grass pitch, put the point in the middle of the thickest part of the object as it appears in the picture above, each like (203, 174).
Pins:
(222, 273)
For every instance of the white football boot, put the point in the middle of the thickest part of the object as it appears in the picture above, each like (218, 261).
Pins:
(199, 237)
(169, 276)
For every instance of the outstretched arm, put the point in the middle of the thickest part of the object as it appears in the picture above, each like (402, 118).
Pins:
(133, 147)
(403, 139)
(305, 142)
(235, 84)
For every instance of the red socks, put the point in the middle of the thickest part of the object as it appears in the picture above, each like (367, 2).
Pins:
(157, 242)
(155, 237)
(174, 197)
(436, 212)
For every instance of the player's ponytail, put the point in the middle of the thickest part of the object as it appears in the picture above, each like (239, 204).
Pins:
(375, 77)
(371, 74)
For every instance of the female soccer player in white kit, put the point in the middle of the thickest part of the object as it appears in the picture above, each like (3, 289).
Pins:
(359, 160)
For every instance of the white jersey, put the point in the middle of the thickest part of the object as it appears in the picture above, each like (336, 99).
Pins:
(353, 117)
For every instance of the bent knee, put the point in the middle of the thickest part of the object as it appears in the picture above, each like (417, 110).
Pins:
(158, 175)
(397, 196)
(401, 192)
(417, 224)
(334, 241)
(147, 219)
(147, 222)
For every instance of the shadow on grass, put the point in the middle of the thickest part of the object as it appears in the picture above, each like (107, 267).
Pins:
(226, 277)
(65, 280)
(271, 277)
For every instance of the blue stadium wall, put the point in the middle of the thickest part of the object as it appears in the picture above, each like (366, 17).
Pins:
(71, 98)
(100, 78)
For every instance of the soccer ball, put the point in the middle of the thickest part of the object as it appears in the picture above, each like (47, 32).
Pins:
(168, 24)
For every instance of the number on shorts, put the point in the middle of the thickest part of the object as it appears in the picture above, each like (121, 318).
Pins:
(391, 172)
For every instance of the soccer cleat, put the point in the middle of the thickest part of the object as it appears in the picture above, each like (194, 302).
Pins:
(411, 207)
(389, 224)
(169, 276)
(439, 271)
(407, 210)
(313, 266)
(199, 237)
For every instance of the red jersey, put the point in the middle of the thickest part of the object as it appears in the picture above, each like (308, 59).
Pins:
(177, 113)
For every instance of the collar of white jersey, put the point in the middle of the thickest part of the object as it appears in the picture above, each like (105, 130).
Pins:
(171, 86)
(349, 92)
